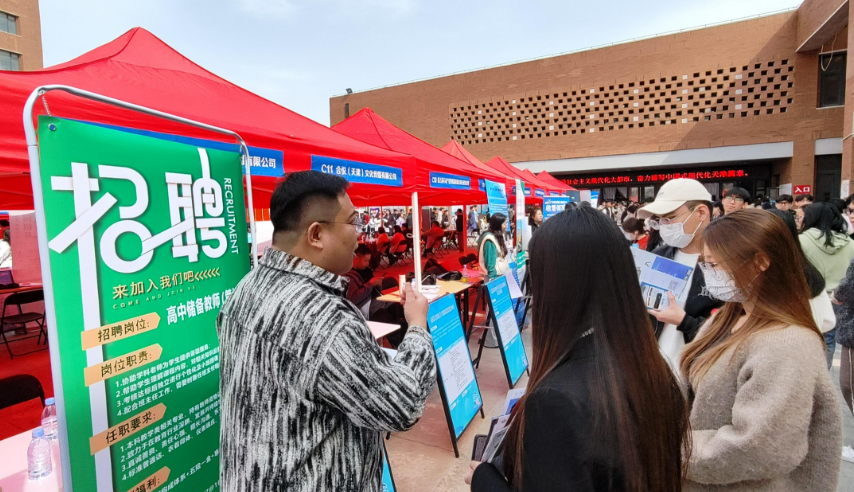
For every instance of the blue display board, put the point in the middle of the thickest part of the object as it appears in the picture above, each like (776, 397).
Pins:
(449, 181)
(539, 193)
(507, 330)
(388, 480)
(262, 162)
(496, 197)
(574, 195)
(456, 374)
(358, 172)
(594, 198)
(553, 205)
(517, 307)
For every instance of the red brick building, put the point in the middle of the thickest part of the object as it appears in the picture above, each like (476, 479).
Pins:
(762, 103)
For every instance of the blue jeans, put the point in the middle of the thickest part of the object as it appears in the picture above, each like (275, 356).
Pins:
(830, 338)
(830, 346)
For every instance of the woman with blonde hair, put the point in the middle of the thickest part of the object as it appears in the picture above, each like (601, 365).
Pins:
(764, 412)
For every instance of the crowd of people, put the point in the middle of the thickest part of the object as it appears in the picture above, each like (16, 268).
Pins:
(747, 405)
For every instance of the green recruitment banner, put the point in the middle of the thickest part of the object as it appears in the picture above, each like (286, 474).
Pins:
(147, 238)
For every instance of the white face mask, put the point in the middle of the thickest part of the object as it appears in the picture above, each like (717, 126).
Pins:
(674, 234)
(720, 285)
(629, 236)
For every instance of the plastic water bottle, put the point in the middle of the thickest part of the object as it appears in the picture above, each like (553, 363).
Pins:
(49, 419)
(38, 456)
(465, 273)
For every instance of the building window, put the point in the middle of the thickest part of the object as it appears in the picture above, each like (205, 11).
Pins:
(8, 23)
(831, 80)
(346, 110)
(9, 61)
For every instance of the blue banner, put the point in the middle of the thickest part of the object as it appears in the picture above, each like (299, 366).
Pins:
(262, 162)
(553, 205)
(527, 191)
(539, 193)
(594, 198)
(358, 172)
(507, 329)
(450, 181)
(496, 197)
(452, 355)
(481, 185)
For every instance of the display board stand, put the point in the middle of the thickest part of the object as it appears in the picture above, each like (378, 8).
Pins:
(89, 314)
(507, 331)
(461, 399)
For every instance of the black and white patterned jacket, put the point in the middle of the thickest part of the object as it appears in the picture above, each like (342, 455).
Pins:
(306, 391)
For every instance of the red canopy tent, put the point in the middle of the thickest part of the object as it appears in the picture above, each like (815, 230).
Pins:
(455, 149)
(371, 128)
(140, 68)
(548, 178)
(500, 164)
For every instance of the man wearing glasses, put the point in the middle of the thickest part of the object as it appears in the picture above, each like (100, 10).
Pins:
(735, 199)
(306, 391)
(684, 207)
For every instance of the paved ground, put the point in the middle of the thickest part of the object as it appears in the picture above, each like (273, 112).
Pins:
(422, 459)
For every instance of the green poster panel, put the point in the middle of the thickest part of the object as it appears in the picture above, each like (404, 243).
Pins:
(147, 238)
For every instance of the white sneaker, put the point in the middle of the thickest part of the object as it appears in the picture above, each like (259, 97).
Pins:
(848, 454)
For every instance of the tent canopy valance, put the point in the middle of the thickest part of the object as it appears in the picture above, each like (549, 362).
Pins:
(441, 179)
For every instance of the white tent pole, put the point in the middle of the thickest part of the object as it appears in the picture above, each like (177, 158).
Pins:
(416, 239)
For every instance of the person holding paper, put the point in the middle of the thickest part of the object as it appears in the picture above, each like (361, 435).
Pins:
(306, 391)
(764, 414)
(602, 411)
(685, 209)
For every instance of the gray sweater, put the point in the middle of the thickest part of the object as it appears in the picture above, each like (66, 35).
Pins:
(306, 390)
(766, 418)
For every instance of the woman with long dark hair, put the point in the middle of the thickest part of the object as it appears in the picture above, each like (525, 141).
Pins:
(825, 242)
(764, 413)
(822, 309)
(492, 247)
(603, 412)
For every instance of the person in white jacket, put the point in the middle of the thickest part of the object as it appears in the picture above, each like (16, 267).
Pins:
(822, 308)
(5, 250)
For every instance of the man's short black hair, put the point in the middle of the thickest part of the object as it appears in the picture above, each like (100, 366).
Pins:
(292, 196)
(363, 249)
(737, 192)
(784, 198)
(436, 224)
(805, 196)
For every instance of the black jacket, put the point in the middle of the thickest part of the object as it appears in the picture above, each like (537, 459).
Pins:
(561, 449)
(699, 305)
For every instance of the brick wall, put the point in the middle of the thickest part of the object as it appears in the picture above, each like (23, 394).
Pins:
(28, 41)
(756, 57)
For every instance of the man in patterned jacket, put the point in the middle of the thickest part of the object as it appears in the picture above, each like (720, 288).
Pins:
(306, 390)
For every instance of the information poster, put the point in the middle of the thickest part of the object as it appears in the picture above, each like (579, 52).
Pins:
(388, 480)
(553, 205)
(455, 370)
(146, 240)
(518, 304)
(521, 218)
(25, 247)
(507, 329)
(496, 198)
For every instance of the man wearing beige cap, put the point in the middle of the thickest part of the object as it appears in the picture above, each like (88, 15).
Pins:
(683, 210)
